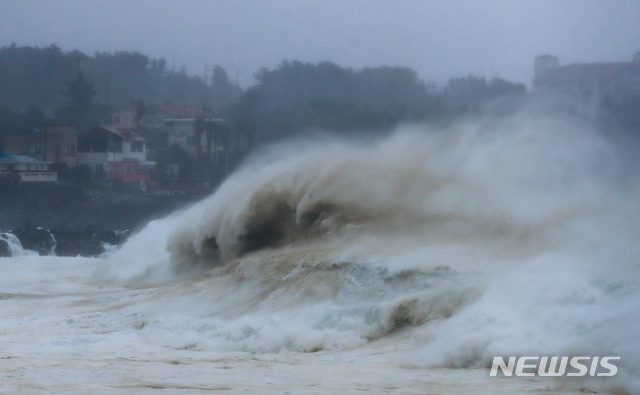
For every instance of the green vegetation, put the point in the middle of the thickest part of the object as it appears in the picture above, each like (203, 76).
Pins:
(294, 98)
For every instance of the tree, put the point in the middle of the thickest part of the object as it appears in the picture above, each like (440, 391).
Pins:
(223, 90)
(471, 91)
(141, 110)
(42, 77)
(9, 120)
(80, 109)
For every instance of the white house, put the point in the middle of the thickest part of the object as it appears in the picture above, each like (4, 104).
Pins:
(29, 169)
(119, 152)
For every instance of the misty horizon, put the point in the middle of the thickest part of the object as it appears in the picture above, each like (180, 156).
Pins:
(325, 197)
(440, 40)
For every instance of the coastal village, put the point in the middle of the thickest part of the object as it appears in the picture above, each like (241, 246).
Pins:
(88, 181)
(117, 152)
(127, 150)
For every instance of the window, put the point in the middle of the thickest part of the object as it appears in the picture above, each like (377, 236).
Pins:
(69, 150)
(40, 150)
(99, 167)
(137, 146)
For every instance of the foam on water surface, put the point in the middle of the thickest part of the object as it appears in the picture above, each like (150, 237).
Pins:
(419, 256)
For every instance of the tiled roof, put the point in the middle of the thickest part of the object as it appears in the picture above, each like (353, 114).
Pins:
(125, 133)
(19, 159)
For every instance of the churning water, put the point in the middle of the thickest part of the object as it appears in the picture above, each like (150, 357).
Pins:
(428, 251)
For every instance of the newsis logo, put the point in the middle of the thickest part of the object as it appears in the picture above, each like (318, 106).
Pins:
(545, 366)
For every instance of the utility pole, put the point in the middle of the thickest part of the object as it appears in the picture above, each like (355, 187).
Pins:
(45, 123)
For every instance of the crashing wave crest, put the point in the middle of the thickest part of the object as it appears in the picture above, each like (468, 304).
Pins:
(492, 238)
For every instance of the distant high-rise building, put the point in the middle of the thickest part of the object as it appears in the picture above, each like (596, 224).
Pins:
(544, 63)
(588, 80)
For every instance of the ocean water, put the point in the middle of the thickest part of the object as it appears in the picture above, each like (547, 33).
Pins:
(401, 265)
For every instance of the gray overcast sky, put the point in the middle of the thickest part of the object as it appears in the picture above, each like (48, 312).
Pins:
(439, 39)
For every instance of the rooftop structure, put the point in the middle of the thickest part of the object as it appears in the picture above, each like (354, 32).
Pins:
(19, 168)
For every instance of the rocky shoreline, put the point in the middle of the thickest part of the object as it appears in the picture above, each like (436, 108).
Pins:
(63, 242)
(66, 220)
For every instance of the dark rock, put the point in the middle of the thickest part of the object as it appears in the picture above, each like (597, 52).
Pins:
(100, 235)
(32, 238)
(85, 248)
(106, 236)
(63, 234)
(91, 248)
(122, 236)
(48, 247)
(68, 242)
(5, 251)
(65, 248)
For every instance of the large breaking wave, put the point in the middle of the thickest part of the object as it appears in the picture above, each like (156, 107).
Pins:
(502, 237)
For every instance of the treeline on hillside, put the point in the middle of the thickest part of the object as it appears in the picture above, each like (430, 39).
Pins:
(40, 77)
(292, 98)
(299, 96)
(471, 91)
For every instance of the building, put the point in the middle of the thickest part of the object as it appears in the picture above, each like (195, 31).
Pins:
(182, 132)
(155, 115)
(17, 168)
(160, 112)
(115, 153)
(588, 81)
(54, 143)
(125, 117)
